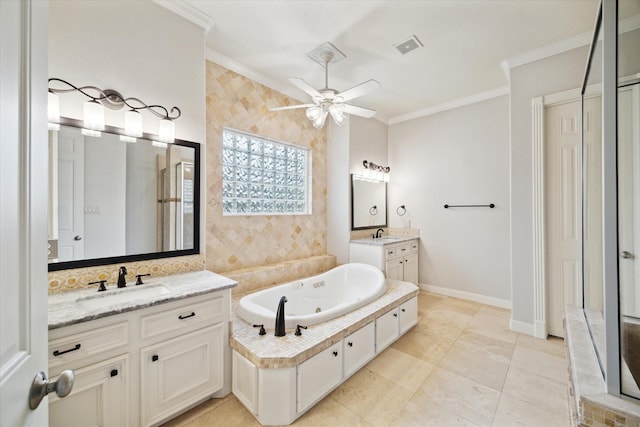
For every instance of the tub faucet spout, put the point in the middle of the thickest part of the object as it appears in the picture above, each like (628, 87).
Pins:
(280, 329)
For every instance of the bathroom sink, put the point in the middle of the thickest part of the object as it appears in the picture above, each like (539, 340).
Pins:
(122, 296)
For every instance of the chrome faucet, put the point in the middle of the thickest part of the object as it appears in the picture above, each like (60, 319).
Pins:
(280, 329)
(379, 233)
(122, 273)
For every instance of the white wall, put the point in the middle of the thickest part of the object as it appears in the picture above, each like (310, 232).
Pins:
(141, 50)
(368, 141)
(550, 75)
(458, 156)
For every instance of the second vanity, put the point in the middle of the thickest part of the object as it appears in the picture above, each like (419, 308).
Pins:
(397, 257)
(142, 354)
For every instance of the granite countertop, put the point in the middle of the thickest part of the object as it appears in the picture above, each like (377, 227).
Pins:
(385, 240)
(269, 351)
(69, 308)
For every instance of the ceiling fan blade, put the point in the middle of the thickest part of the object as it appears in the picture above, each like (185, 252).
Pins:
(291, 107)
(359, 90)
(305, 87)
(359, 111)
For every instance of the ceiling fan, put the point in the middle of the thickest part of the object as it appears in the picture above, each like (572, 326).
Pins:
(329, 101)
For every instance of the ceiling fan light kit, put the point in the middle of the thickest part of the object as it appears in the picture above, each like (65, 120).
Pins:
(329, 101)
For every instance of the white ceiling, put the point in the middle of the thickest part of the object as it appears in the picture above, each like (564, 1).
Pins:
(464, 43)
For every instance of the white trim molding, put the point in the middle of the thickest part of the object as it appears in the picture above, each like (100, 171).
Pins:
(482, 299)
(456, 103)
(539, 291)
(188, 12)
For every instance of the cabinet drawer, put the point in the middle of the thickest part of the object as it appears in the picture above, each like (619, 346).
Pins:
(359, 348)
(386, 329)
(390, 252)
(413, 247)
(82, 345)
(403, 249)
(183, 319)
(319, 375)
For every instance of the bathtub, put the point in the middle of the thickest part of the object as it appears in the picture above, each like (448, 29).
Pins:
(315, 299)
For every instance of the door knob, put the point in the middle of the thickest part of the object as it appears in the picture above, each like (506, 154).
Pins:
(40, 387)
(626, 255)
(77, 238)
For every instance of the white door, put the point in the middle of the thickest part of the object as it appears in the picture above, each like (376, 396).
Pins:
(563, 199)
(23, 208)
(70, 194)
(629, 199)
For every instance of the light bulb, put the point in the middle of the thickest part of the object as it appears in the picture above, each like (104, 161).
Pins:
(167, 131)
(53, 111)
(94, 117)
(313, 113)
(133, 124)
(337, 112)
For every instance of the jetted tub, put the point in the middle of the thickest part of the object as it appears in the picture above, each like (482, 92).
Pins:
(315, 299)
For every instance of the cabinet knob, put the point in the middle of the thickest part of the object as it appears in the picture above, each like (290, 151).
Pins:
(114, 372)
(335, 353)
(403, 310)
(155, 358)
(395, 314)
(350, 344)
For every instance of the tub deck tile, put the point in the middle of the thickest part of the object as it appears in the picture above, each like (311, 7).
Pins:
(269, 351)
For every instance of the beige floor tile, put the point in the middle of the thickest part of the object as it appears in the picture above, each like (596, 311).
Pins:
(328, 412)
(372, 397)
(421, 412)
(541, 363)
(479, 358)
(493, 322)
(551, 345)
(453, 311)
(403, 369)
(514, 412)
(426, 344)
(461, 396)
(230, 413)
(427, 301)
(537, 390)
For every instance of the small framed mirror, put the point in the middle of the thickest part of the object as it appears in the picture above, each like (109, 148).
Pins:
(368, 203)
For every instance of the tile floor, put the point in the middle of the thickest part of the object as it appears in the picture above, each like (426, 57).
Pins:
(460, 366)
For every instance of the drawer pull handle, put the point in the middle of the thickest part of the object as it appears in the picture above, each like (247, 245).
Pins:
(403, 310)
(60, 353)
(114, 372)
(403, 249)
(193, 313)
(335, 353)
(395, 314)
(155, 358)
(350, 344)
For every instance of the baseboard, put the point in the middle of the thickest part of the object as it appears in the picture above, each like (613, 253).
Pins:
(482, 299)
(522, 327)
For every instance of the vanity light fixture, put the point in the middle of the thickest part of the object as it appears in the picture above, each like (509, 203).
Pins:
(373, 172)
(93, 111)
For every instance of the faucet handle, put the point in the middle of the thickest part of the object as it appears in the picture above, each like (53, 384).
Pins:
(298, 331)
(139, 278)
(262, 330)
(102, 287)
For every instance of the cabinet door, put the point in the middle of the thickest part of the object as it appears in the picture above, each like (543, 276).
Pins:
(394, 269)
(408, 314)
(179, 372)
(319, 375)
(410, 268)
(100, 397)
(386, 329)
(359, 348)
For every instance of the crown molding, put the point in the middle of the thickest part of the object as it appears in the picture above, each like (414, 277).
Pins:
(457, 103)
(188, 12)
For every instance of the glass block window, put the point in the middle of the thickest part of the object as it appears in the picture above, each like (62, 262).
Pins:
(261, 176)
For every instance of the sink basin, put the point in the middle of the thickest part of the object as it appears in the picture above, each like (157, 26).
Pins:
(122, 296)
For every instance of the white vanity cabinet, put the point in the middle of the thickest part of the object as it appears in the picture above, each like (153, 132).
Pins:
(358, 348)
(318, 375)
(144, 366)
(398, 261)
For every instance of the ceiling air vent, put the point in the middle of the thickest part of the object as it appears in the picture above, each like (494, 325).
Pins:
(406, 46)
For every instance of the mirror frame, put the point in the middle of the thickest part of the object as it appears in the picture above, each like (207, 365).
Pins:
(92, 262)
(386, 210)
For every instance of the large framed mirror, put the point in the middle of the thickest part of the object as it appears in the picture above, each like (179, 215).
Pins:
(368, 203)
(112, 201)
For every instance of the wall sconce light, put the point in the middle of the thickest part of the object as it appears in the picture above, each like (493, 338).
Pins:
(373, 172)
(93, 112)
